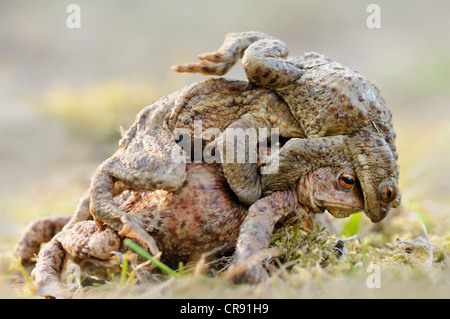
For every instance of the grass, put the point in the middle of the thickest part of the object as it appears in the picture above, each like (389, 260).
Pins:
(165, 269)
(414, 72)
(413, 262)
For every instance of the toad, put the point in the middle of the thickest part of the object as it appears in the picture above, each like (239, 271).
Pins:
(332, 116)
(343, 115)
(204, 215)
(151, 156)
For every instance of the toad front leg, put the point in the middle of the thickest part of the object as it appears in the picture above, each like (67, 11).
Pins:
(137, 170)
(335, 189)
(256, 232)
(242, 174)
(299, 156)
(296, 158)
(253, 132)
(160, 165)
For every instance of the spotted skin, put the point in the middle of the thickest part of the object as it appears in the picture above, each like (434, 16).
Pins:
(149, 157)
(328, 100)
(203, 217)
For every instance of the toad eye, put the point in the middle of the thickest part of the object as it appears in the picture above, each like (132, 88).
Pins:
(347, 180)
(387, 193)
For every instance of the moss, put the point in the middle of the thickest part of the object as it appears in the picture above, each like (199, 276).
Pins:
(302, 247)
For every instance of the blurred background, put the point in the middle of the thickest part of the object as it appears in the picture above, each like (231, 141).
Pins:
(64, 93)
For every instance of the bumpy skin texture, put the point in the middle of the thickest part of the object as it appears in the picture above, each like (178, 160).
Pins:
(38, 232)
(199, 217)
(328, 100)
(342, 115)
(311, 194)
(149, 157)
(202, 216)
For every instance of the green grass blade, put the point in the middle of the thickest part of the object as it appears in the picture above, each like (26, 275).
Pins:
(24, 273)
(352, 226)
(164, 268)
(181, 268)
(123, 275)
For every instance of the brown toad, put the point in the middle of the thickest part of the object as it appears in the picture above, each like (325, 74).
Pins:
(204, 215)
(150, 156)
(343, 115)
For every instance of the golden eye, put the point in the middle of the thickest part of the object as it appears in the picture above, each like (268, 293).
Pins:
(387, 193)
(347, 180)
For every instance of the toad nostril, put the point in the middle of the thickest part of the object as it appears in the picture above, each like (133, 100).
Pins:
(396, 202)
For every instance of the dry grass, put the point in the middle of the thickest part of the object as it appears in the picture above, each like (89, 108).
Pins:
(413, 262)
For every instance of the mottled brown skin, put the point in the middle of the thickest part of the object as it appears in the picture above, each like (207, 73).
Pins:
(323, 99)
(334, 106)
(149, 157)
(202, 216)
(145, 160)
(38, 232)
(359, 126)
(197, 218)
(311, 194)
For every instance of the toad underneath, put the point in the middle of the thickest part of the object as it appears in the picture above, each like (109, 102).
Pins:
(331, 115)
(202, 216)
(342, 115)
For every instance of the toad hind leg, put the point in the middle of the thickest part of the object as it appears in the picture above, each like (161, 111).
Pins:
(44, 229)
(263, 58)
(87, 239)
(84, 239)
(220, 61)
(48, 267)
(36, 233)
(148, 159)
